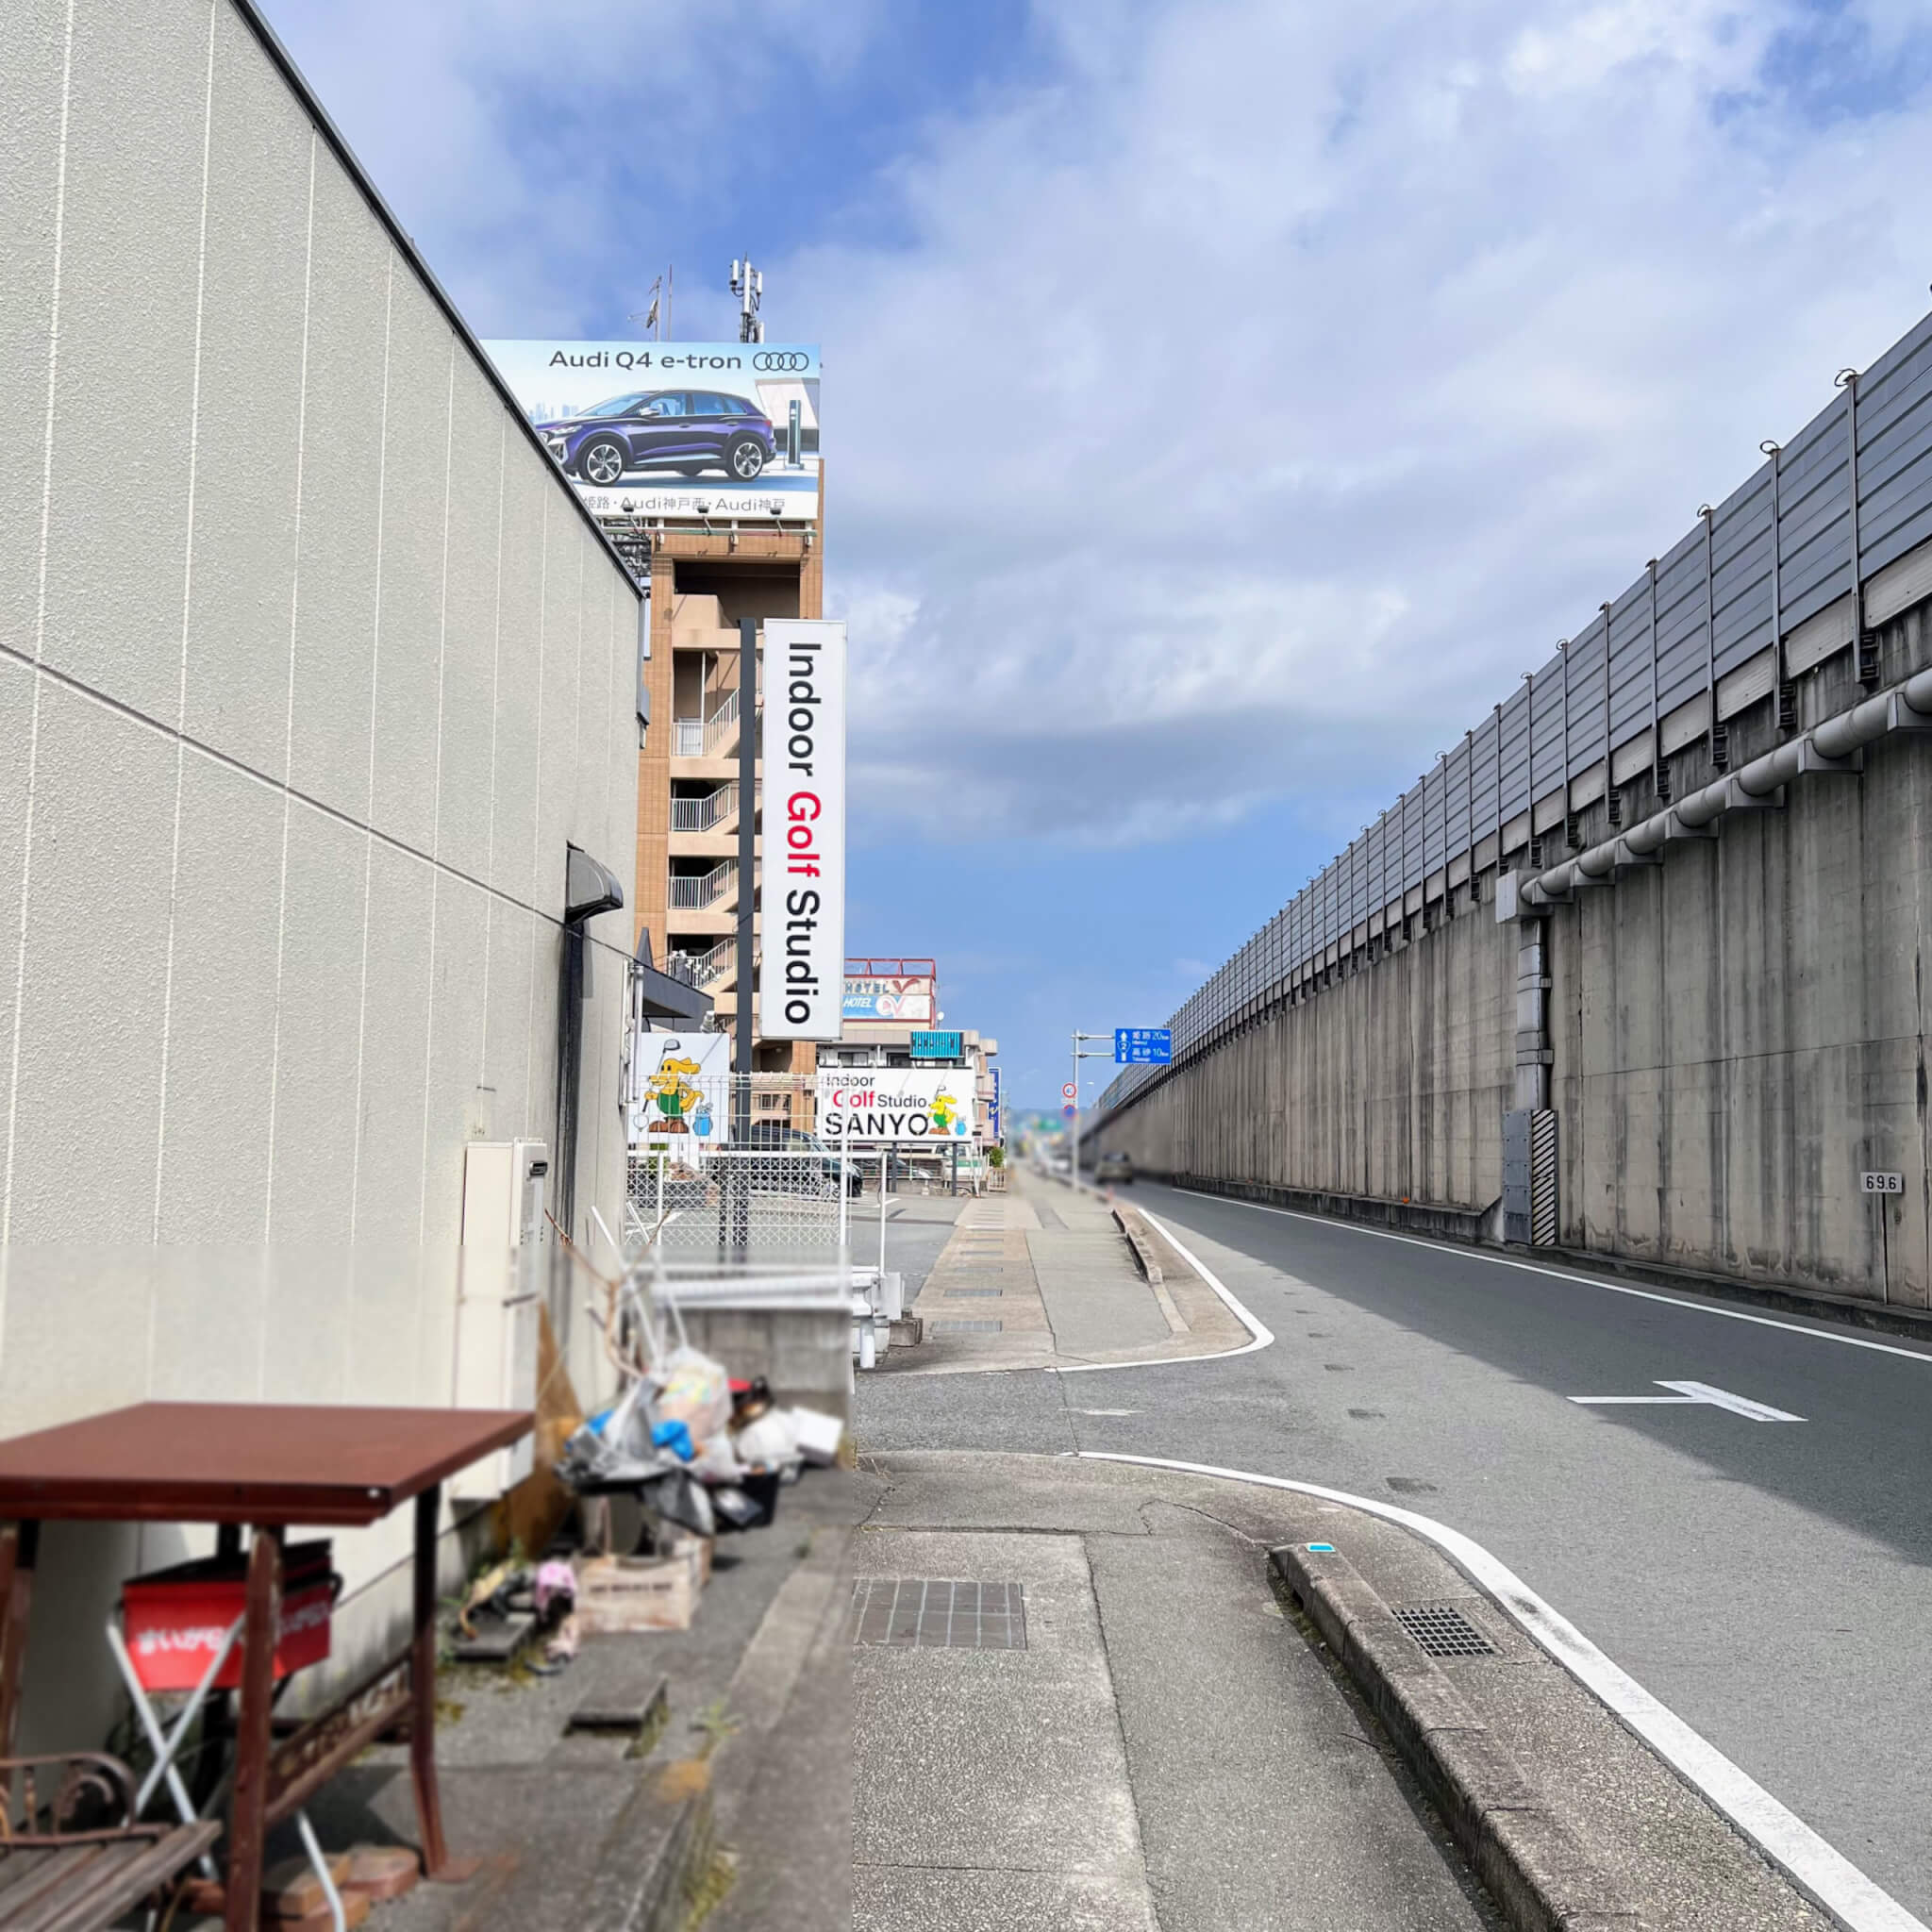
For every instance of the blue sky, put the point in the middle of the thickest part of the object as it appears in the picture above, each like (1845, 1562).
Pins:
(1225, 402)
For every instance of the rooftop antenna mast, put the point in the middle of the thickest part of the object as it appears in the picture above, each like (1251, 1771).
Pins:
(748, 285)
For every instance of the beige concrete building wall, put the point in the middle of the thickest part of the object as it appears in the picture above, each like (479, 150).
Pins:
(310, 671)
(1736, 1034)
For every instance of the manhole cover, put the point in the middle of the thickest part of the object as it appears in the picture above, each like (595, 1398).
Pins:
(938, 1613)
(966, 1327)
(967, 1294)
(1439, 1631)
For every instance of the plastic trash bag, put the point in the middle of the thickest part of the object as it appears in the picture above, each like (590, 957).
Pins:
(696, 1390)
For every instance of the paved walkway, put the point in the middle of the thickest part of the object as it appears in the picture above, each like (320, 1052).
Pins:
(1043, 1278)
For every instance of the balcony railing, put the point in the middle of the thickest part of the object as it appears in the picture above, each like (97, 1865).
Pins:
(701, 814)
(693, 893)
(700, 737)
(706, 969)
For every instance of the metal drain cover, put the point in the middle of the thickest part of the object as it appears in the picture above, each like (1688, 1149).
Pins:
(967, 1327)
(967, 1294)
(1439, 1631)
(938, 1613)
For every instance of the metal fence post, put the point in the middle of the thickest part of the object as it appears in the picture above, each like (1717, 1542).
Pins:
(1720, 738)
(1659, 771)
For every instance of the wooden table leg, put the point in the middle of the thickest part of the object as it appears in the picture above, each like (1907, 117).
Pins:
(247, 1830)
(20, 1544)
(435, 1858)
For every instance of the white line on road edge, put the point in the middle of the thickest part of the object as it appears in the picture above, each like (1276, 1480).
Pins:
(1826, 1877)
(1260, 1336)
(1642, 1295)
(1823, 1874)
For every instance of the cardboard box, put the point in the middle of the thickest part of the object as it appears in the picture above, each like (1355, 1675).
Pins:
(625, 1593)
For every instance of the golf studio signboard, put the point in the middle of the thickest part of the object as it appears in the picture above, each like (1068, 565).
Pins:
(721, 430)
(901, 1105)
(802, 962)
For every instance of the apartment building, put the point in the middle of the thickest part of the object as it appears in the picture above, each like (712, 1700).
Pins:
(704, 584)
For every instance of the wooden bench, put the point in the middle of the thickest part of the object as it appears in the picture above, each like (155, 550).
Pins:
(78, 1861)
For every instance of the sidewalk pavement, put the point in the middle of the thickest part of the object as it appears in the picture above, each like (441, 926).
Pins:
(1153, 1737)
(1088, 1695)
(1043, 1276)
(733, 1806)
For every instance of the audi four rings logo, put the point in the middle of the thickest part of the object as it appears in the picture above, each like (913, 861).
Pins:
(771, 361)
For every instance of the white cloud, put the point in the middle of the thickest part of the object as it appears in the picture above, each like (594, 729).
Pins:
(1238, 409)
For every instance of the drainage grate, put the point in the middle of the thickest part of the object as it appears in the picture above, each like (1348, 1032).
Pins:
(1439, 1631)
(967, 1294)
(935, 1613)
(966, 1327)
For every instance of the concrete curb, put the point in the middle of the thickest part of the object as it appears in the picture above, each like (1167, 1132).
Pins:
(1130, 1224)
(1540, 1874)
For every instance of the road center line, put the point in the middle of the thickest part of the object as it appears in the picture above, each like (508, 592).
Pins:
(1642, 1295)
(1817, 1868)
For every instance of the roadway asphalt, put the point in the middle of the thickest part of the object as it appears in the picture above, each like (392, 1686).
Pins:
(1768, 1580)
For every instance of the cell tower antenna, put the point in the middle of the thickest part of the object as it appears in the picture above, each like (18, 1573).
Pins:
(748, 285)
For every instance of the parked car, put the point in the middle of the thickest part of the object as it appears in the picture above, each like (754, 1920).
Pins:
(777, 1137)
(1113, 1168)
(682, 429)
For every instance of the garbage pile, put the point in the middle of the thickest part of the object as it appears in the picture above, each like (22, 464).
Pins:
(701, 1454)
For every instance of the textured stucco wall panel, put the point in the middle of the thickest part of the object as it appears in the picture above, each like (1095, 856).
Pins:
(220, 1025)
(519, 672)
(456, 1110)
(314, 1177)
(128, 277)
(416, 475)
(248, 417)
(16, 728)
(203, 1291)
(466, 756)
(335, 603)
(87, 1113)
(91, 1308)
(29, 174)
(557, 750)
(395, 1046)
(506, 1041)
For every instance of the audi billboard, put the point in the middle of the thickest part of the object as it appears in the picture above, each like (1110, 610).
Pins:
(726, 432)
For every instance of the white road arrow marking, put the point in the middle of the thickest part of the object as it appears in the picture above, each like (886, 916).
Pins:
(1697, 1392)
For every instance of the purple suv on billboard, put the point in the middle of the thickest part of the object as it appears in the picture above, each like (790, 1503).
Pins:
(687, 431)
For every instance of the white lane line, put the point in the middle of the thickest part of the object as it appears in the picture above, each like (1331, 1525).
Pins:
(1642, 1295)
(1696, 1393)
(1259, 1334)
(1822, 1872)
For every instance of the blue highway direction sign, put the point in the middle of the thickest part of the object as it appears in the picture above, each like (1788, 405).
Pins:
(1142, 1046)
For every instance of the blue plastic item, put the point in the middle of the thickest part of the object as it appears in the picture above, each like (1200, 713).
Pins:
(674, 1437)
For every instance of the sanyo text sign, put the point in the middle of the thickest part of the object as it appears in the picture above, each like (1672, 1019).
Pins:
(897, 1105)
(802, 977)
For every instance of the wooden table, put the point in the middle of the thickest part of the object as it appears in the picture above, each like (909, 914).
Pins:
(270, 1466)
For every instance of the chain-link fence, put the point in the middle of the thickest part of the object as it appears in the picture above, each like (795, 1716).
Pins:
(735, 1201)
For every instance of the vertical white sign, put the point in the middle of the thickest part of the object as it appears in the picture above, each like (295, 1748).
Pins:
(802, 969)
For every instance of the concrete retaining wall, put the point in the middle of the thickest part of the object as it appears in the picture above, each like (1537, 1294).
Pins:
(1737, 1035)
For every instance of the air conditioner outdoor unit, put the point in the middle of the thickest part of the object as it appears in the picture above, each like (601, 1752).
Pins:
(499, 1297)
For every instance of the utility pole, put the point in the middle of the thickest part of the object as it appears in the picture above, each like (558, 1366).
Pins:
(1082, 1052)
(748, 285)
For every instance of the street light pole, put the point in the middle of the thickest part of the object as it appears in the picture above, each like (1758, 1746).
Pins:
(1081, 1052)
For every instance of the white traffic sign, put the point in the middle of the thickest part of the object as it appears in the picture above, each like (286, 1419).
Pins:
(1883, 1183)
(1069, 1092)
